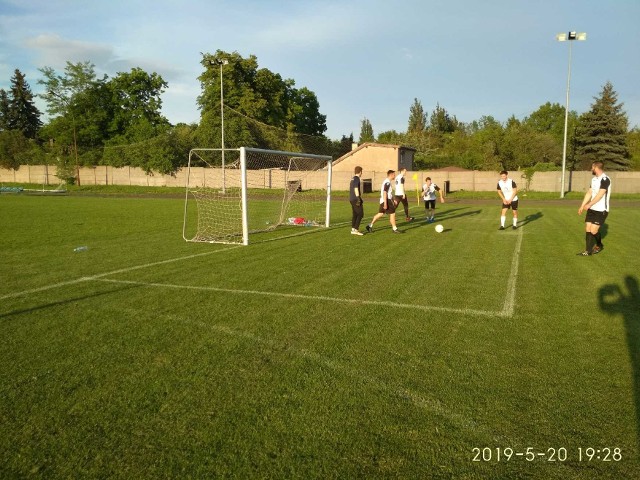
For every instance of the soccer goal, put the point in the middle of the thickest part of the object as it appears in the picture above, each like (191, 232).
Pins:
(233, 193)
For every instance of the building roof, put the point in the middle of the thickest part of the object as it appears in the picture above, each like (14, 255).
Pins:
(371, 144)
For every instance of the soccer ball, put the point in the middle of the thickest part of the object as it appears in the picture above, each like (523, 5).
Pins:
(439, 228)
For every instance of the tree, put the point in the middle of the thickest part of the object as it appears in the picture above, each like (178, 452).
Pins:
(78, 102)
(136, 97)
(441, 122)
(603, 132)
(258, 102)
(391, 137)
(633, 141)
(417, 118)
(22, 113)
(366, 131)
(4, 109)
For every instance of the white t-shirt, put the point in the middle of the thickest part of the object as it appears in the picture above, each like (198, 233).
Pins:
(400, 185)
(601, 183)
(429, 191)
(385, 189)
(507, 187)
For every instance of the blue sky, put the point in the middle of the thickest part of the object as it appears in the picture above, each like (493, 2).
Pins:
(361, 58)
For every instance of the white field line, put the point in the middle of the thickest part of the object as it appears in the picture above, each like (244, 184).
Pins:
(418, 400)
(113, 272)
(507, 310)
(297, 296)
(510, 298)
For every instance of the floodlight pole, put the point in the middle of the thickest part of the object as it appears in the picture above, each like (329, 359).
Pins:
(221, 63)
(563, 37)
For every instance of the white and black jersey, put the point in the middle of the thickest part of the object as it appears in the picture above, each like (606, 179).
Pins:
(602, 182)
(507, 187)
(400, 185)
(429, 191)
(385, 189)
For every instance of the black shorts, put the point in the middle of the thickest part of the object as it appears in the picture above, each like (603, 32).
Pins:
(391, 208)
(430, 204)
(595, 217)
(401, 199)
(513, 206)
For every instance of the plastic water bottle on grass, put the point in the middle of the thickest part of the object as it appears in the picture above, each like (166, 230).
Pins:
(84, 248)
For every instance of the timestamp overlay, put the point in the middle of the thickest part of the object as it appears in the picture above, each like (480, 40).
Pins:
(549, 454)
(555, 461)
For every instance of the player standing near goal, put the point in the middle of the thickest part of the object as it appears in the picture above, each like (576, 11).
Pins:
(401, 195)
(355, 198)
(387, 204)
(429, 190)
(596, 203)
(508, 191)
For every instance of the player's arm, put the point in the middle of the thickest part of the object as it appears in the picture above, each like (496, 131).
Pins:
(585, 201)
(386, 195)
(586, 206)
(356, 192)
(504, 200)
(439, 190)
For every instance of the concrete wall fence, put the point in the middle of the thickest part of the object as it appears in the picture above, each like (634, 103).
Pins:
(623, 182)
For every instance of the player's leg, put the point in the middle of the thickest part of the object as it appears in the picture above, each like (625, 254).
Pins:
(514, 209)
(589, 238)
(376, 217)
(595, 231)
(358, 214)
(405, 203)
(432, 210)
(503, 216)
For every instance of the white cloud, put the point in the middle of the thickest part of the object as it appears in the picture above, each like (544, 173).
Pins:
(55, 51)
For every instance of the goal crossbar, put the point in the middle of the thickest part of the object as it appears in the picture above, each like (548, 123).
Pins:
(237, 194)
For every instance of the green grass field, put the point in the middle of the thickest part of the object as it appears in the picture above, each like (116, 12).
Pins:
(322, 355)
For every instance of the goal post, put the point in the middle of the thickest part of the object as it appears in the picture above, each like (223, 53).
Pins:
(250, 190)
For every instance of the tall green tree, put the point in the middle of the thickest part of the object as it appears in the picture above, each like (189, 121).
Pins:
(136, 96)
(4, 109)
(261, 105)
(366, 131)
(417, 118)
(633, 141)
(80, 105)
(22, 113)
(441, 122)
(603, 132)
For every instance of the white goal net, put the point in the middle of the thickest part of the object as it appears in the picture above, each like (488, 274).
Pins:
(233, 193)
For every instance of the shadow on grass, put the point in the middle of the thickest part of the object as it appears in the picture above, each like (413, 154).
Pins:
(614, 300)
(440, 217)
(532, 217)
(78, 298)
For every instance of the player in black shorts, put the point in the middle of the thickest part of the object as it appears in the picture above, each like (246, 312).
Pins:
(596, 203)
(387, 204)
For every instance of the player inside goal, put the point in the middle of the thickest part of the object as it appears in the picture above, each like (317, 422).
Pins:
(233, 193)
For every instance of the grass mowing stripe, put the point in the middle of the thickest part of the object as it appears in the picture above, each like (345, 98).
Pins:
(416, 399)
(113, 272)
(380, 303)
(510, 300)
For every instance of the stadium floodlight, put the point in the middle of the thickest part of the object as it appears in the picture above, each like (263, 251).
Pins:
(564, 37)
(221, 63)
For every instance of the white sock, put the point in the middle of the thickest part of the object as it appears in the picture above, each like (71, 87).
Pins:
(515, 222)
(502, 220)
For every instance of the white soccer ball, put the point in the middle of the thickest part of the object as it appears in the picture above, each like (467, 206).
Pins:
(439, 228)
